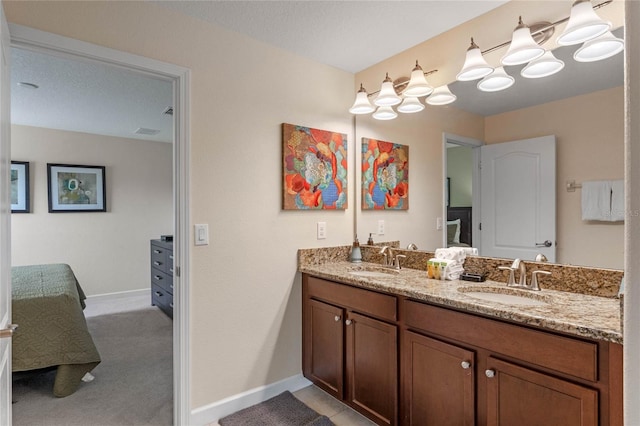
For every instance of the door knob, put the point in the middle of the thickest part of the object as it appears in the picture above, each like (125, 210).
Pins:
(547, 243)
(8, 332)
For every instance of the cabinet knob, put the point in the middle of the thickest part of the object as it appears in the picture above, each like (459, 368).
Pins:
(337, 318)
(348, 322)
(157, 277)
(157, 263)
(157, 251)
(465, 365)
(490, 373)
(158, 294)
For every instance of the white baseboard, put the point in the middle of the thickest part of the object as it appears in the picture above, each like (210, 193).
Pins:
(213, 412)
(119, 295)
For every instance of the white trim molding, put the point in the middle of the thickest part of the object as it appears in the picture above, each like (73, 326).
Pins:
(211, 413)
(53, 44)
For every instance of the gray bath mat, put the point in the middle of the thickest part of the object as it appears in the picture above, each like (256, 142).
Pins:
(282, 410)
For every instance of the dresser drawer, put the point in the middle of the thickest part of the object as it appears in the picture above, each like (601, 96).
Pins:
(161, 279)
(567, 355)
(162, 256)
(360, 300)
(162, 299)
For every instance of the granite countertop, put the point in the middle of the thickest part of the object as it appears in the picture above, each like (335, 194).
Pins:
(577, 314)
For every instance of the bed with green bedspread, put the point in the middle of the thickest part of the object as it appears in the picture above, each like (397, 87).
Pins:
(47, 304)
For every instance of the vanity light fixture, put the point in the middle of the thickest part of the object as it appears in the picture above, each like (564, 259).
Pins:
(475, 66)
(441, 96)
(362, 104)
(599, 48)
(387, 95)
(584, 24)
(418, 85)
(385, 113)
(544, 66)
(496, 81)
(410, 104)
(523, 48)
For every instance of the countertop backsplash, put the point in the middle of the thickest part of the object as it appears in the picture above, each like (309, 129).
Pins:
(575, 279)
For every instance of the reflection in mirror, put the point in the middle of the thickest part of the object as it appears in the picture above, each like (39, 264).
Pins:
(583, 106)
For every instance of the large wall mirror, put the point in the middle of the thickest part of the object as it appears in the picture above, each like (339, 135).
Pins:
(582, 106)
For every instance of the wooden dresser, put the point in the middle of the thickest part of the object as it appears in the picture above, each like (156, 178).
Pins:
(162, 275)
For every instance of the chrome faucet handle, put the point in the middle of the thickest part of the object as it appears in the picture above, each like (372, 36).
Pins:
(387, 255)
(534, 279)
(398, 258)
(522, 268)
(511, 281)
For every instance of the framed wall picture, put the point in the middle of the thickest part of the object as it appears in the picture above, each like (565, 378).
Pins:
(385, 175)
(315, 169)
(20, 196)
(74, 188)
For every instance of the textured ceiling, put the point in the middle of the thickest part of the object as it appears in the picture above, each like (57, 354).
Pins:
(350, 35)
(88, 97)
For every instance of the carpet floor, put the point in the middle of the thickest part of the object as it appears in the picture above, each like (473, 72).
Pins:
(133, 384)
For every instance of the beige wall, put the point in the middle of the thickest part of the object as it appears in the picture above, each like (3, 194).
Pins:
(108, 252)
(589, 133)
(460, 171)
(422, 132)
(245, 306)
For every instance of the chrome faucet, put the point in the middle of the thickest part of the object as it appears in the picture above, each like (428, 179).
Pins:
(518, 265)
(387, 256)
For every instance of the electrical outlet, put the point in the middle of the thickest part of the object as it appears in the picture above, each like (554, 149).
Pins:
(381, 227)
(322, 230)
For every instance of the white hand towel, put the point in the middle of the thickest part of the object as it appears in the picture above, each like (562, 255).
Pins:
(617, 200)
(596, 200)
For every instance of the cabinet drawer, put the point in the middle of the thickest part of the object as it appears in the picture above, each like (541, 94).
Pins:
(364, 301)
(564, 354)
(169, 263)
(162, 299)
(159, 278)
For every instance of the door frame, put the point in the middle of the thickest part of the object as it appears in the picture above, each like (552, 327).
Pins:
(475, 184)
(52, 44)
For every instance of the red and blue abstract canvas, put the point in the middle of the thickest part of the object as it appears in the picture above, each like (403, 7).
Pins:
(385, 175)
(315, 169)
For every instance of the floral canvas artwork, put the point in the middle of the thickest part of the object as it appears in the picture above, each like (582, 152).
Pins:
(315, 169)
(385, 175)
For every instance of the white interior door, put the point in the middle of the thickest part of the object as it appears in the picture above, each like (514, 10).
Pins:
(5, 225)
(518, 211)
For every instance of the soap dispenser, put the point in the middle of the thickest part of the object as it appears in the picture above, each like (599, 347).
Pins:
(370, 242)
(356, 254)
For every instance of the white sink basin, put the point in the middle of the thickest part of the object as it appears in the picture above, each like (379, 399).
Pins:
(373, 272)
(504, 296)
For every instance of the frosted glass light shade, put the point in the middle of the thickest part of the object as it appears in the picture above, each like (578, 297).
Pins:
(387, 95)
(385, 113)
(599, 48)
(441, 96)
(544, 66)
(523, 47)
(496, 81)
(584, 24)
(475, 66)
(410, 104)
(362, 104)
(418, 85)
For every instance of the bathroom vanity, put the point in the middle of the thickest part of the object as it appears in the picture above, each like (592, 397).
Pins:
(403, 349)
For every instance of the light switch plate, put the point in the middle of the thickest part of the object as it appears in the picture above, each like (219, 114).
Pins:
(321, 230)
(381, 227)
(201, 236)
(438, 224)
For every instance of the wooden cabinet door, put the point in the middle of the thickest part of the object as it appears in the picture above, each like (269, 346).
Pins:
(438, 382)
(372, 368)
(519, 396)
(323, 343)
